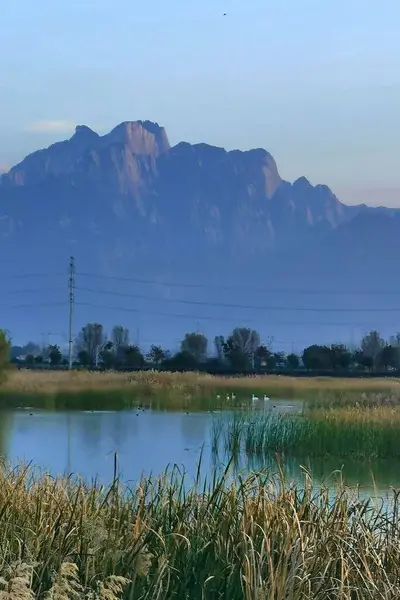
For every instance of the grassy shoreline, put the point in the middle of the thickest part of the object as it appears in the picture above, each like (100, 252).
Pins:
(362, 426)
(254, 539)
(108, 390)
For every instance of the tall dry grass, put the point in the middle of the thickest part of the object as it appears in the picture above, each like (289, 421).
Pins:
(251, 540)
(177, 390)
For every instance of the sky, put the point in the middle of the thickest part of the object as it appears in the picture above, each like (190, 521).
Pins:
(315, 82)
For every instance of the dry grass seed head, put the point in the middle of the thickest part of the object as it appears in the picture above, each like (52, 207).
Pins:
(66, 585)
(16, 582)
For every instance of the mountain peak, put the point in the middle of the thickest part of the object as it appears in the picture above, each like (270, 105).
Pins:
(84, 131)
(302, 182)
(83, 138)
(142, 137)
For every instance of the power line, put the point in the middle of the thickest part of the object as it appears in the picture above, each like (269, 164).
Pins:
(370, 292)
(29, 275)
(153, 313)
(244, 306)
(41, 305)
(225, 319)
(33, 291)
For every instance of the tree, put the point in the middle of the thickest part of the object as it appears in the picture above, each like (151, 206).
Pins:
(29, 359)
(108, 356)
(395, 343)
(133, 357)
(181, 361)
(120, 341)
(195, 344)
(317, 357)
(219, 342)
(293, 361)
(388, 357)
(55, 355)
(157, 355)
(247, 340)
(360, 360)
(279, 359)
(372, 345)
(240, 347)
(84, 358)
(262, 355)
(340, 356)
(5, 352)
(91, 340)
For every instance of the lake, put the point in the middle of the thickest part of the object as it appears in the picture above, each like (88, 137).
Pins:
(147, 441)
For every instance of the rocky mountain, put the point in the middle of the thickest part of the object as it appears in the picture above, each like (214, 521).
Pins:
(128, 205)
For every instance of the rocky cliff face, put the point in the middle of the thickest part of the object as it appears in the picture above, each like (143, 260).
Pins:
(128, 203)
(81, 152)
(235, 200)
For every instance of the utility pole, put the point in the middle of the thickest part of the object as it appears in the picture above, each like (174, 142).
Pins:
(71, 287)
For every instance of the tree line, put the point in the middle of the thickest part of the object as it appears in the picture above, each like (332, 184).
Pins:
(241, 351)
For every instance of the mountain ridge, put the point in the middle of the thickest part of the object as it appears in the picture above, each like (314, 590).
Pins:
(127, 202)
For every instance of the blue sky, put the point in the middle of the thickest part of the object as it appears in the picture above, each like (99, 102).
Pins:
(316, 82)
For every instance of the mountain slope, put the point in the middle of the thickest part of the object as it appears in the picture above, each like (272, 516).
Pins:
(127, 204)
(235, 201)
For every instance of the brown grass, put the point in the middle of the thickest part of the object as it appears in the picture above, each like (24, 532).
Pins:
(251, 540)
(53, 382)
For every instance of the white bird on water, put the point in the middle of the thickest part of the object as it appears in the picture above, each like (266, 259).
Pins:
(266, 398)
(254, 398)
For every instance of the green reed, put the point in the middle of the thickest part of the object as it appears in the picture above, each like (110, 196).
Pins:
(358, 431)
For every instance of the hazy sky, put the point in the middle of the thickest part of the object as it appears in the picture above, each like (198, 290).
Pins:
(316, 82)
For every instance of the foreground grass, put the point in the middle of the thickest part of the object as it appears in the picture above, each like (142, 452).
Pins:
(367, 428)
(110, 390)
(253, 540)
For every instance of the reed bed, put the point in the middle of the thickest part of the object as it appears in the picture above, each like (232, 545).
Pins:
(364, 400)
(254, 539)
(108, 390)
(346, 431)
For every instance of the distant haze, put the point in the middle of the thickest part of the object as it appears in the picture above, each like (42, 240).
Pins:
(317, 84)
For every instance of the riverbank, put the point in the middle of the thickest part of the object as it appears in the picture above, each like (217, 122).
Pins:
(179, 391)
(161, 540)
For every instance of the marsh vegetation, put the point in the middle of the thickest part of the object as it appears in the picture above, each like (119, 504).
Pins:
(112, 390)
(256, 538)
(364, 426)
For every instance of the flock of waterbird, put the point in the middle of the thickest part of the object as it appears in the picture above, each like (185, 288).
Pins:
(231, 397)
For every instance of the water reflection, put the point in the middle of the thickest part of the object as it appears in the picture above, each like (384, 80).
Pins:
(146, 442)
(6, 427)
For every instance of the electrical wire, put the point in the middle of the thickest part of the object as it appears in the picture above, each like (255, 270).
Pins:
(41, 305)
(29, 275)
(34, 291)
(370, 292)
(212, 318)
(240, 306)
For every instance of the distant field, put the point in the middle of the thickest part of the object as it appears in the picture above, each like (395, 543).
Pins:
(177, 390)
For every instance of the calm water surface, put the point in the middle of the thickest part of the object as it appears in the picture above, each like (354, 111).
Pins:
(146, 442)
